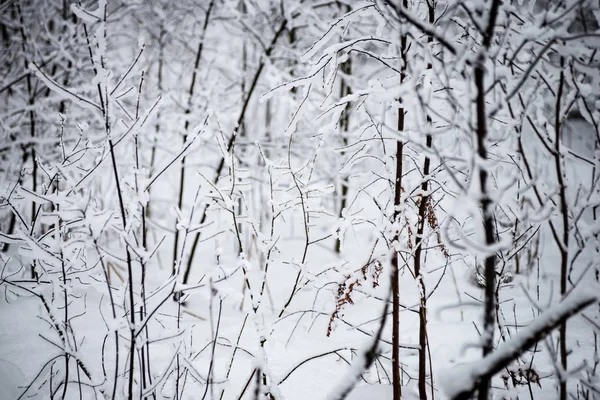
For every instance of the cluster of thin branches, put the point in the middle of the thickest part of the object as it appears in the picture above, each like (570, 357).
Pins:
(273, 161)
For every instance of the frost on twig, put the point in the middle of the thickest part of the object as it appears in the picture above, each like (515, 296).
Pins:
(62, 91)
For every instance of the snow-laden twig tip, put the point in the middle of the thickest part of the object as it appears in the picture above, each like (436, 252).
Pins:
(62, 91)
(460, 382)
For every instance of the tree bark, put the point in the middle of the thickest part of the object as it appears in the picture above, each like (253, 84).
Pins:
(486, 204)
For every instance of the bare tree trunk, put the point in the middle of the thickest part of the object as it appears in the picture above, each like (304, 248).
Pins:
(485, 201)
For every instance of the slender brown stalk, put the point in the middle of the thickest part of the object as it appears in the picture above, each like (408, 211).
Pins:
(422, 218)
(563, 246)
(396, 378)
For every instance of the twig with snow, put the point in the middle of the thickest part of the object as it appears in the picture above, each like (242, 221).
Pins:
(460, 382)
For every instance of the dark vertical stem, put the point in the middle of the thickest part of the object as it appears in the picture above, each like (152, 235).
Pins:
(234, 353)
(564, 211)
(50, 384)
(306, 229)
(129, 263)
(187, 123)
(242, 133)
(242, 128)
(209, 376)
(114, 315)
(65, 16)
(31, 102)
(105, 267)
(258, 387)
(145, 351)
(345, 90)
(485, 201)
(104, 101)
(178, 368)
(422, 218)
(396, 378)
(6, 40)
(65, 294)
(345, 127)
(158, 113)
